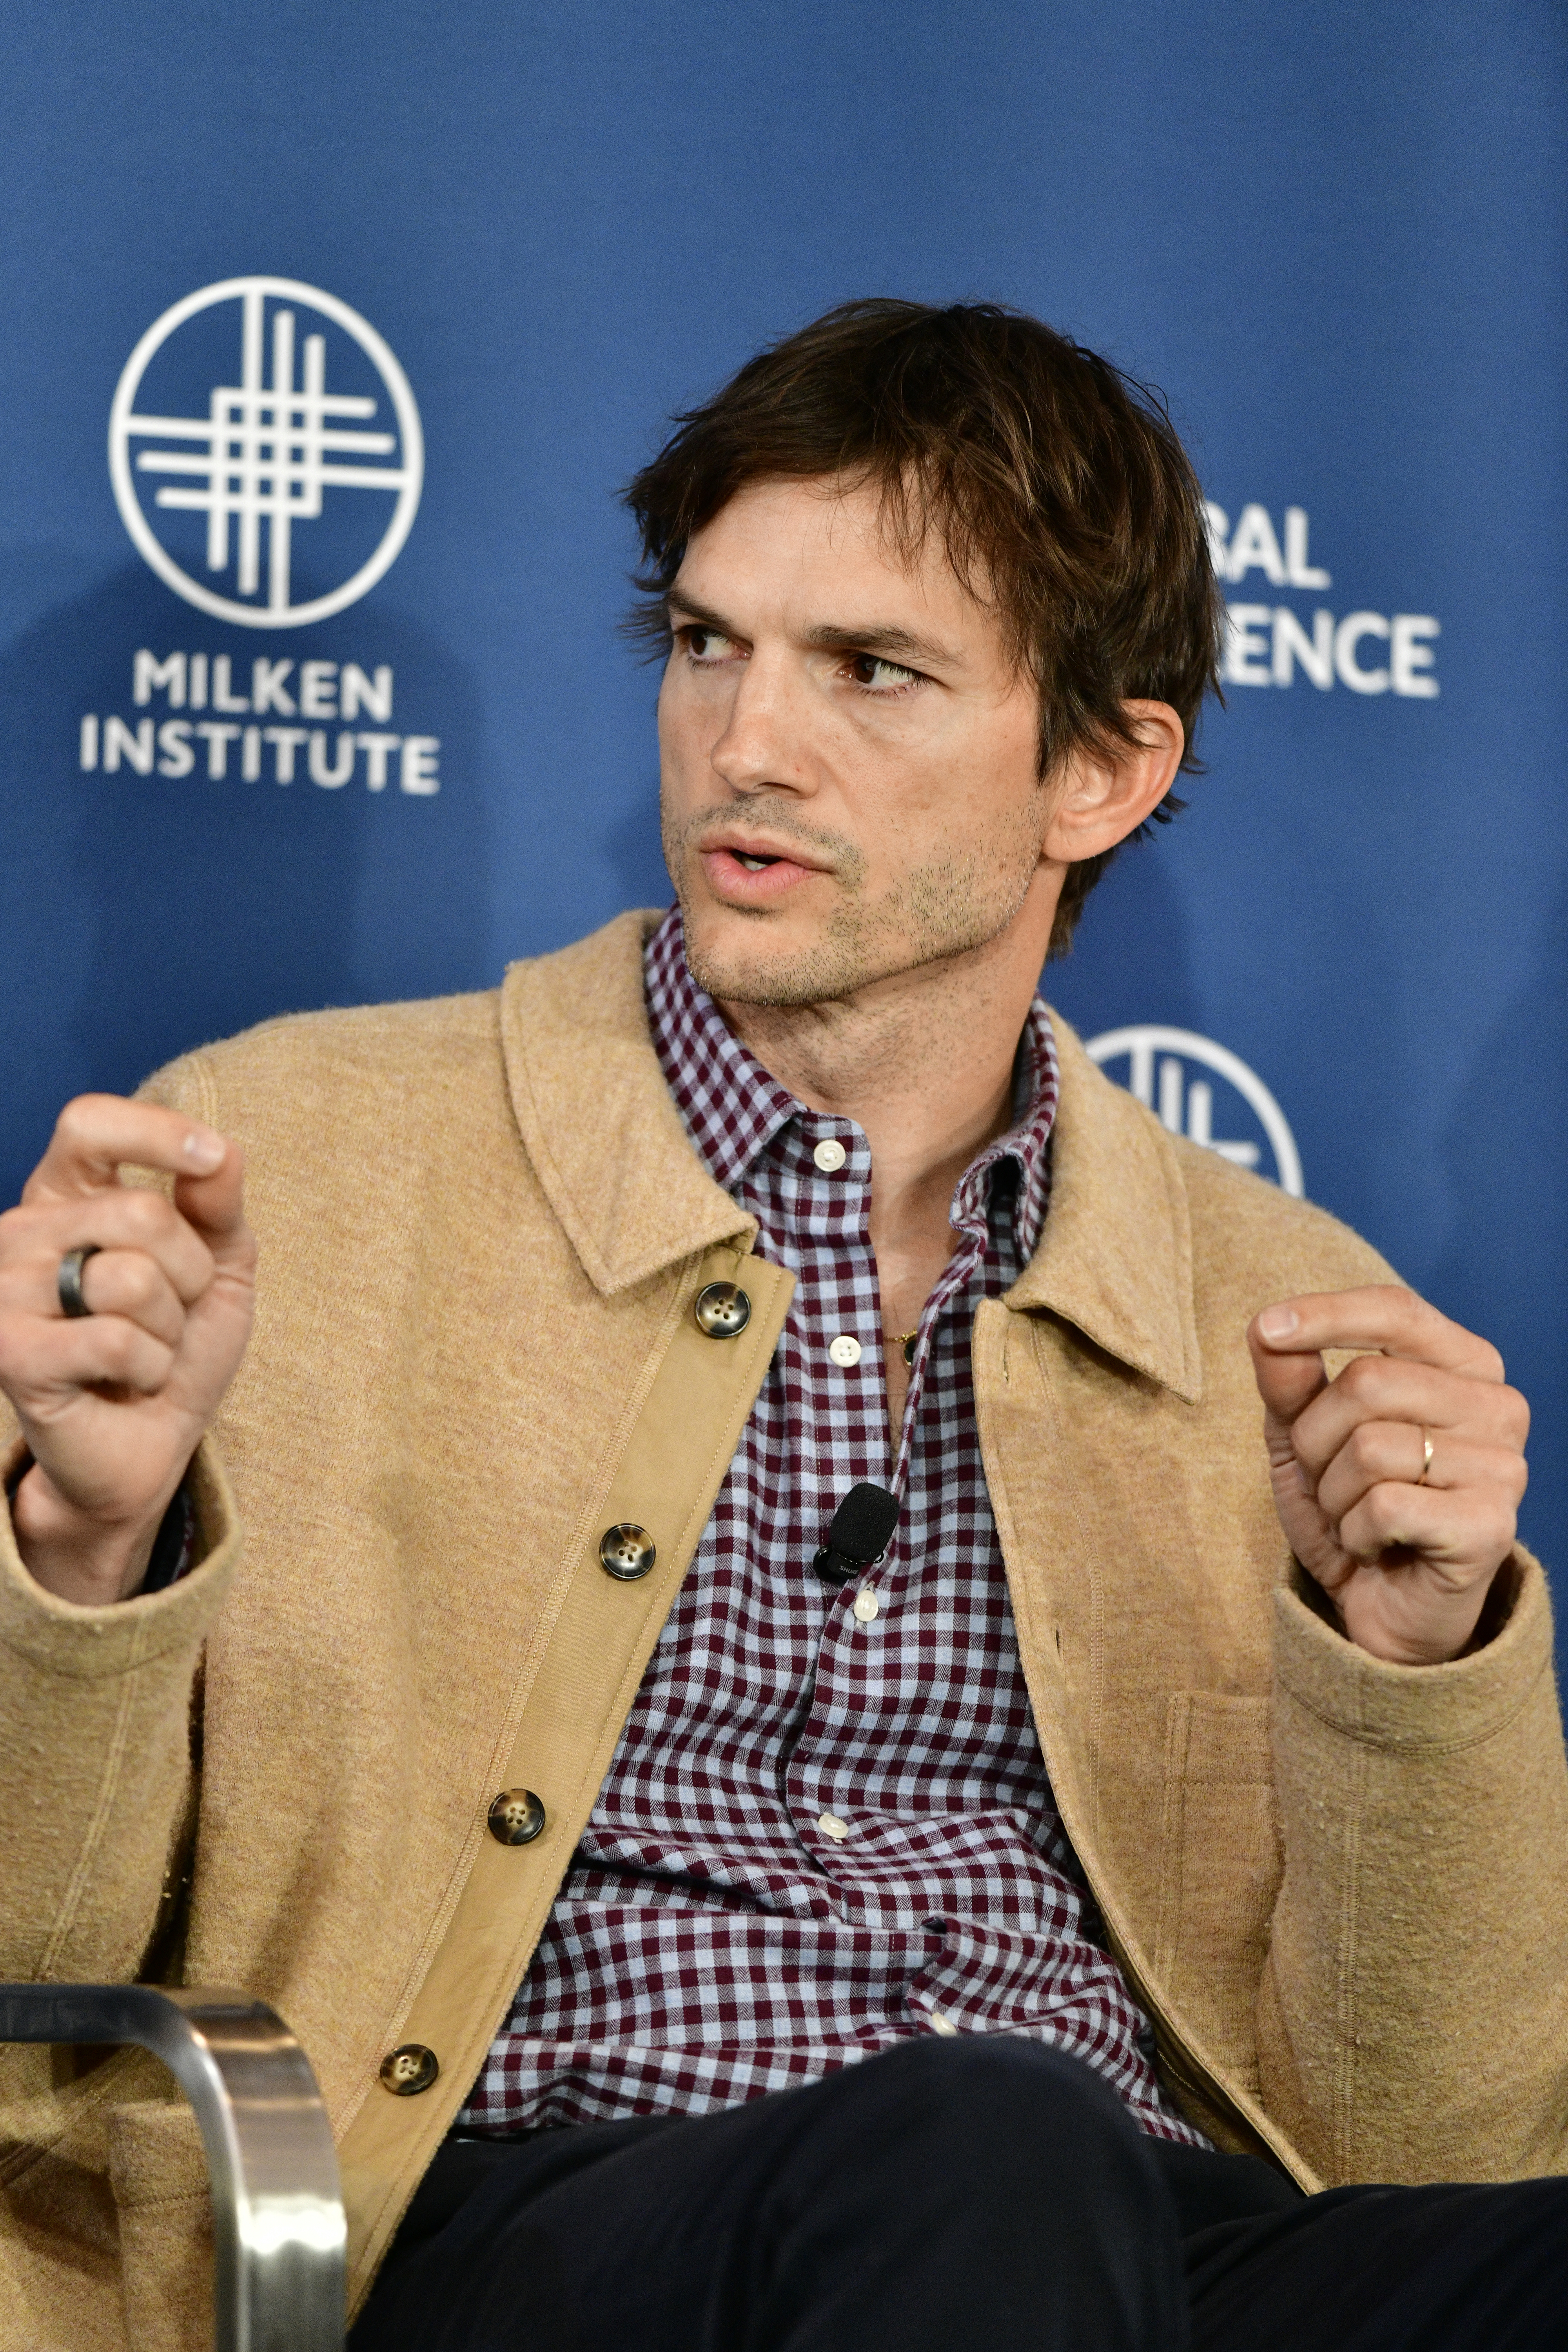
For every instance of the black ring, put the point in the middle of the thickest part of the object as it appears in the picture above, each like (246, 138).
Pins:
(68, 1282)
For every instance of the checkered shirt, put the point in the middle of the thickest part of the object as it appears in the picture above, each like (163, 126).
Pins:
(822, 1835)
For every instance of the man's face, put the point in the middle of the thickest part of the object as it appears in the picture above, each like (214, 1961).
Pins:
(848, 753)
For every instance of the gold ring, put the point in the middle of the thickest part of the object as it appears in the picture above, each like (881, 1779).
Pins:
(1426, 1452)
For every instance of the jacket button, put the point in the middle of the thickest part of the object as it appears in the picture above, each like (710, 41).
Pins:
(722, 1310)
(515, 1816)
(627, 1552)
(410, 2069)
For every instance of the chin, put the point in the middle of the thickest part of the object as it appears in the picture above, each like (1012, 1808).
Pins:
(744, 959)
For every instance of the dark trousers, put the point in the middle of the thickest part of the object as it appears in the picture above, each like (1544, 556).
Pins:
(948, 2196)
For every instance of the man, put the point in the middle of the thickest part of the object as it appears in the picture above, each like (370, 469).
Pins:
(709, 1929)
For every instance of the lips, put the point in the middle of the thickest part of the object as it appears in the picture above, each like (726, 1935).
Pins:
(749, 875)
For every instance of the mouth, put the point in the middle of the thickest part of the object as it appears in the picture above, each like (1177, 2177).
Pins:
(745, 872)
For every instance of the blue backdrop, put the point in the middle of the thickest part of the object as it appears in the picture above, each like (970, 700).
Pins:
(1335, 235)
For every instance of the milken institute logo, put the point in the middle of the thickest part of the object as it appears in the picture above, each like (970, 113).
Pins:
(264, 456)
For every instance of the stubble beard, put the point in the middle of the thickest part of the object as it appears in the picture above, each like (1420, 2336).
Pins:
(942, 911)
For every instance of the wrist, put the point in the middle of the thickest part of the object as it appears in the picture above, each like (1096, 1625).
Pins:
(90, 1558)
(1431, 1637)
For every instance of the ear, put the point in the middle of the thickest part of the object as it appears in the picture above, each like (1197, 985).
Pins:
(1098, 799)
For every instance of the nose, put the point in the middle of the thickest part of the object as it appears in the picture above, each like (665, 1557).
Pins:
(764, 746)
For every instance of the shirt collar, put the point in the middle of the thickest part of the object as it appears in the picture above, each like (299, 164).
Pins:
(732, 1107)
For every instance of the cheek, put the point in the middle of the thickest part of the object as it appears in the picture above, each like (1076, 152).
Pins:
(690, 723)
(667, 714)
(969, 780)
(677, 761)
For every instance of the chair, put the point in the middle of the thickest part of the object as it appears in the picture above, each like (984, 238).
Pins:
(278, 2211)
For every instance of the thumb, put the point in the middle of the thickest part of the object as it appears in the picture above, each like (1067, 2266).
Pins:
(1288, 1380)
(215, 1206)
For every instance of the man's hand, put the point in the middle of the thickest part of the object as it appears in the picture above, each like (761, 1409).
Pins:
(1406, 1562)
(113, 1403)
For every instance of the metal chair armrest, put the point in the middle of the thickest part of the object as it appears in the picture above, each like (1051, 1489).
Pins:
(278, 2211)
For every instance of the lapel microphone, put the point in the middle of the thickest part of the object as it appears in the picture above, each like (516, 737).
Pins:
(861, 1531)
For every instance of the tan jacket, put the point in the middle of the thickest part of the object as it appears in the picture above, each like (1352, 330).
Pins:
(1341, 1887)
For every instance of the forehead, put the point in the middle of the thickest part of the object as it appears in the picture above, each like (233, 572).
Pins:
(793, 548)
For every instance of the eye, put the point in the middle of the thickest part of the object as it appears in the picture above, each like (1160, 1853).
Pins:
(885, 678)
(707, 647)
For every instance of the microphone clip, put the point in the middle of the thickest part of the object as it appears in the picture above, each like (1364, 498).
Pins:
(861, 1531)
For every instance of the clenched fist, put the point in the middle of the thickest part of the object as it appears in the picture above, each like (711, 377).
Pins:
(1398, 1482)
(113, 1403)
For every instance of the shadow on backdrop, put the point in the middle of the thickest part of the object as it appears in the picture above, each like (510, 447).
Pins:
(636, 859)
(142, 915)
(1131, 959)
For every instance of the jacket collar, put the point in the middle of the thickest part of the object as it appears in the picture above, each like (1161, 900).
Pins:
(606, 1143)
(1115, 1259)
(596, 1117)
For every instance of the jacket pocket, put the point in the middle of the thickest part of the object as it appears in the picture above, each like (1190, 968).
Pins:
(1220, 1868)
(157, 2167)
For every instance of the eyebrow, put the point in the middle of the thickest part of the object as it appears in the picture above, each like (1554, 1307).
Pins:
(885, 639)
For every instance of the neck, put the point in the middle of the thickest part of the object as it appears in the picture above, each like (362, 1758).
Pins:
(922, 1063)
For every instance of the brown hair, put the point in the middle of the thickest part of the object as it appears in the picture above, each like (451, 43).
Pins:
(1062, 494)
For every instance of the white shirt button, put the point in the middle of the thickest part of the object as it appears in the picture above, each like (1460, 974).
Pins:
(866, 1605)
(832, 1827)
(845, 1351)
(943, 2025)
(830, 1155)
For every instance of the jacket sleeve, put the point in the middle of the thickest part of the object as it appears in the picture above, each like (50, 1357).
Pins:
(1412, 2019)
(95, 1755)
(96, 1705)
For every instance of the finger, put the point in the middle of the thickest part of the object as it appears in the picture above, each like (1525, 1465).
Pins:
(1469, 1532)
(1394, 1453)
(213, 1204)
(131, 1283)
(33, 1240)
(1287, 1383)
(100, 1351)
(97, 1134)
(1389, 1387)
(1384, 1316)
